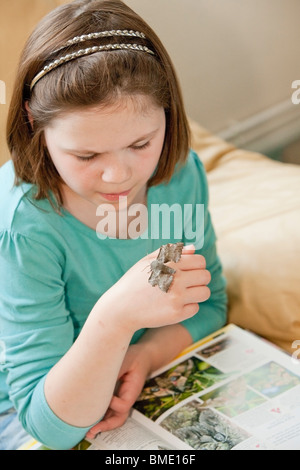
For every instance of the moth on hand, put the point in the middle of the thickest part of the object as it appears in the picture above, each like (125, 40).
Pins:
(162, 275)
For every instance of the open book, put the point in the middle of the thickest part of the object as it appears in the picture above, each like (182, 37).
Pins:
(230, 391)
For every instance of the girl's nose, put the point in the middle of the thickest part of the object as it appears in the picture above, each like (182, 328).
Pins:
(116, 170)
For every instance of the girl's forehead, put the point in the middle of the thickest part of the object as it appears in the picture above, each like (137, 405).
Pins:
(135, 107)
(116, 125)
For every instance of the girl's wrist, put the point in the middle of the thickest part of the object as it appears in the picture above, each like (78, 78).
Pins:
(163, 344)
(111, 314)
(143, 354)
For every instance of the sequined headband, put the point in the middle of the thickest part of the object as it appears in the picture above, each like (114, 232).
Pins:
(91, 50)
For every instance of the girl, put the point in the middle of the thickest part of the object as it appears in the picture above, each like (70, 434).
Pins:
(98, 134)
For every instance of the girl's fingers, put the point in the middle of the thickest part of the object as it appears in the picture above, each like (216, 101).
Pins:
(188, 249)
(111, 422)
(197, 294)
(196, 277)
(190, 262)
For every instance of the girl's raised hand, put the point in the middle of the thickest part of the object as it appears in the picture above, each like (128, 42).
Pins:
(139, 305)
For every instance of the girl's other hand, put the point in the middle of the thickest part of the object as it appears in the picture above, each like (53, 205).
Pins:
(135, 368)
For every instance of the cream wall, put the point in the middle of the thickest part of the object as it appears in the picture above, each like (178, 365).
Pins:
(236, 59)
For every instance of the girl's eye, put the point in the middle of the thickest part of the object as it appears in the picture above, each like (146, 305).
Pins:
(141, 147)
(91, 157)
(85, 159)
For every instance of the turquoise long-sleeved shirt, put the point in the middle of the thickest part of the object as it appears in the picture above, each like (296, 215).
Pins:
(53, 269)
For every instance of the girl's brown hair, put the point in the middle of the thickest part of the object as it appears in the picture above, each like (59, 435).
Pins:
(96, 79)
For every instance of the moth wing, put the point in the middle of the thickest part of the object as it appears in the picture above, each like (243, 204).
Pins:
(177, 252)
(153, 279)
(164, 282)
(162, 254)
(167, 270)
(170, 252)
(156, 268)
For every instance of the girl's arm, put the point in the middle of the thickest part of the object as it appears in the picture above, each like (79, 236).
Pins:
(79, 387)
(156, 348)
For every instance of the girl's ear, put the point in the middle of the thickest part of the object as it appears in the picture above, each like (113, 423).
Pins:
(30, 118)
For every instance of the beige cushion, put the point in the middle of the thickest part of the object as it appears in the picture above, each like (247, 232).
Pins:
(255, 207)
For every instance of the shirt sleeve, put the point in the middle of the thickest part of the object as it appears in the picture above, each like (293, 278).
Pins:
(37, 330)
(212, 313)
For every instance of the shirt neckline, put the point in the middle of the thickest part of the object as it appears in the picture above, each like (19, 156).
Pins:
(91, 233)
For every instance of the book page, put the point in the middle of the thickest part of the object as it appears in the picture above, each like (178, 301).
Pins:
(230, 391)
(130, 436)
(233, 392)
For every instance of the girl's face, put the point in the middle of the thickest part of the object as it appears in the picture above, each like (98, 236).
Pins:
(102, 153)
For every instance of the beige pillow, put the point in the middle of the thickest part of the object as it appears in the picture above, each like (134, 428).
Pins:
(255, 207)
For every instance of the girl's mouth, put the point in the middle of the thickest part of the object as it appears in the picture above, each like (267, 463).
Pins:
(114, 196)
